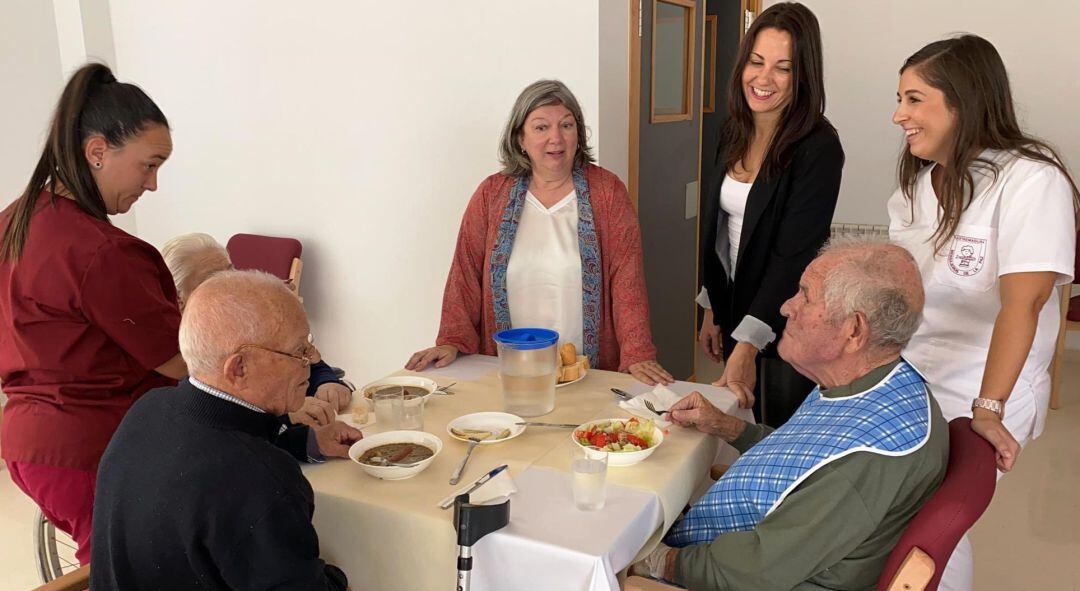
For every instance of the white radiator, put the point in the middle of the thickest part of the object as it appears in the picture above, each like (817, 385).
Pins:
(874, 231)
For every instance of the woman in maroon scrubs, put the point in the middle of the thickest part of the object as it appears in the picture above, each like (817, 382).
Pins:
(88, 314)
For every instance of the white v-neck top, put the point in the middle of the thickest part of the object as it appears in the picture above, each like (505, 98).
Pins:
(543, 275)
(733, 197)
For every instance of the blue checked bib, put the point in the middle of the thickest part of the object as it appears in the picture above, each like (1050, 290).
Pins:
(892, 419)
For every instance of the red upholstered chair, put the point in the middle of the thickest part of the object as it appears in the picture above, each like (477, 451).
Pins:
(1070, 321)
(277, 256)
(918, 560)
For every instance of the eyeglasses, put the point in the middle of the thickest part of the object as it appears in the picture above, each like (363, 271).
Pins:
(304, 358)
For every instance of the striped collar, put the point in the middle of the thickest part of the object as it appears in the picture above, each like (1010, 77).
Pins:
(224, 395)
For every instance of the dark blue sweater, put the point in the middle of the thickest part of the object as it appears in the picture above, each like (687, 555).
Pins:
(194, 493)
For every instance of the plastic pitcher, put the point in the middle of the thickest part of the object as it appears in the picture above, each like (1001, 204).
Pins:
(528, 361)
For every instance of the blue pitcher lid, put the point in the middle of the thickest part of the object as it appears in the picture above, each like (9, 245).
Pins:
(527, 338)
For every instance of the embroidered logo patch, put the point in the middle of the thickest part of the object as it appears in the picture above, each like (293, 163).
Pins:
(967, 255)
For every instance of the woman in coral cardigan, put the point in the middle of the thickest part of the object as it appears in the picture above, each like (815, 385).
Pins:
(551, 241)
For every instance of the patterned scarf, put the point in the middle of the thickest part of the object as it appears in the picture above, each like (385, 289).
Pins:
(591, 273)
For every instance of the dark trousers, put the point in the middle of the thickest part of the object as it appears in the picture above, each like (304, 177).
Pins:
(779, 391)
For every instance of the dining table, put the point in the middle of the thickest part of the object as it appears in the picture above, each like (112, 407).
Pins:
(392, 534)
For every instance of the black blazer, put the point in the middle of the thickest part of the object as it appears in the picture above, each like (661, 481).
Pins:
(786, 222)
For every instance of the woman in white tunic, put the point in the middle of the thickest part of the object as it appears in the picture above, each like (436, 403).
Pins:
(989, 214)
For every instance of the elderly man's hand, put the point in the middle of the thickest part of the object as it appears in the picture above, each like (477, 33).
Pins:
(441, 356)
(740, 374)
(988, 424)
(335, 439)
(338, 395)
(695, 411)
(659, 564)
(314, 413)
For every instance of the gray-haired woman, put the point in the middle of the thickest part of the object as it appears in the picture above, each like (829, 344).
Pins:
(551, 241)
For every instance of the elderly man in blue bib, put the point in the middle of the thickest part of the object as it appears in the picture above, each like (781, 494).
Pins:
(820, 502)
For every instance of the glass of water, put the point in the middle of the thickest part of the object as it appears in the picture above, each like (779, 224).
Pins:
(412, 413)
(389, 404)
(589, 472)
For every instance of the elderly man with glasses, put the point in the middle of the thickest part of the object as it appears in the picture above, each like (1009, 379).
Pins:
(820, 502)
(195, 490)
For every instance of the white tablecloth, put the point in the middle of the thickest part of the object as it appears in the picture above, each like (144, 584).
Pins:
(550, 544)
(375, 530)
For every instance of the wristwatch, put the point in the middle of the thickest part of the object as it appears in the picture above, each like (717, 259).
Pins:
(989, 404)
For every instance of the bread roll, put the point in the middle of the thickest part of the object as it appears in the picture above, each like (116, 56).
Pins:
(570, 373)
(583, 361)
(568, 354)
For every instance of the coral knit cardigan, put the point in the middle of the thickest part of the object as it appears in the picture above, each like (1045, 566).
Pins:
(468, 315)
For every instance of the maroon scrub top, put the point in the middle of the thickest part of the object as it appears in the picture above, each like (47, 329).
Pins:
(86, 314)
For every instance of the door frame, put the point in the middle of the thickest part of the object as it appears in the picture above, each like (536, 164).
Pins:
(636, 30)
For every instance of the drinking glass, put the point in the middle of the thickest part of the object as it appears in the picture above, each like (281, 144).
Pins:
(412, 414)
(388, 402)
(589, 472)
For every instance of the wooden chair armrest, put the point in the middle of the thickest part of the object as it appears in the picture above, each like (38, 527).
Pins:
(76, 580)
(643, 584)
(914, 573)
(718, 470)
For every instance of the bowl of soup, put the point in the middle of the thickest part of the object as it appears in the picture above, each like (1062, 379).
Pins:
(416, 388)
(378, 453)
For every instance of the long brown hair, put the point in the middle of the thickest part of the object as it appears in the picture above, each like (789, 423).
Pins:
(969, 71)
(92, 103)
(804, 112)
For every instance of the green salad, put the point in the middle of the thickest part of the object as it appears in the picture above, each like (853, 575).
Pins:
(617, 436)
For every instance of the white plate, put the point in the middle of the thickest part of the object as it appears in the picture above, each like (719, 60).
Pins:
(487, 421)
(580, 377)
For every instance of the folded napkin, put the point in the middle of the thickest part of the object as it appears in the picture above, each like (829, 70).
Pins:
(491, 492)
(661, 398)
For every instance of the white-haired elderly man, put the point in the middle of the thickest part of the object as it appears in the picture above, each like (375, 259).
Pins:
(192, 259)
(193, 492)
(820, 502)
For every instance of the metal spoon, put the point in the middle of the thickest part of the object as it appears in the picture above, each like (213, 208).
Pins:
(474, 438)
(381, 461)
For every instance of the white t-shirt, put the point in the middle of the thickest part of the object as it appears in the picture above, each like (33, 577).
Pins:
(733, 196)
(543, 275)
(1022, 222)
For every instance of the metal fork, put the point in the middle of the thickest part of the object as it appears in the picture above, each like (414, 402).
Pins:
(649, 406)
(474, 438)
(444, 390)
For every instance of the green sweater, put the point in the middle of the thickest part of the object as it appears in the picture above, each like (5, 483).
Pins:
(836, 529)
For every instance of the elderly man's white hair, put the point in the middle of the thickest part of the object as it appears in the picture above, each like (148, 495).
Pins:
(879, 279)
(231, 313)
(191, 256)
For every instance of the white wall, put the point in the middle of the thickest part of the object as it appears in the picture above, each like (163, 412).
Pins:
(866, 42)
(614, 115)
(360, 128)
(30, 69)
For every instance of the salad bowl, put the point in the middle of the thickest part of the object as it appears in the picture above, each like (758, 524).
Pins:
(621, 439)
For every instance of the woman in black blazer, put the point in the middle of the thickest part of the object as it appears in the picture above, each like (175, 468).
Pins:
(769, 207)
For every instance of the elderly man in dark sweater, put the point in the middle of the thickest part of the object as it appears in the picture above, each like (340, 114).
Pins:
(195, 490)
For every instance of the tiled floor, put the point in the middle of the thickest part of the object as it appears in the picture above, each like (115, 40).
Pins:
(1029, 538)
